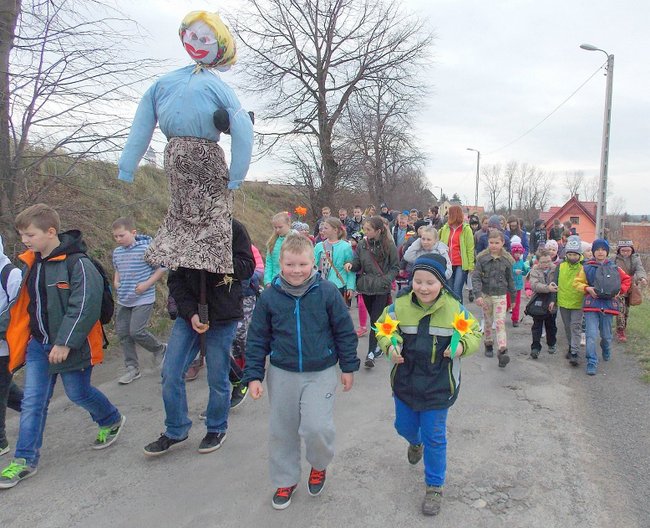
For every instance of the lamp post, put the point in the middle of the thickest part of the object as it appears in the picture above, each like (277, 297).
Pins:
(478, 163)
(438, 187)
(601, 210)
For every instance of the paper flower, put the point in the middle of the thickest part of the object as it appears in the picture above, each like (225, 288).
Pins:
(387, 329)
(462, 325)
(300, 211)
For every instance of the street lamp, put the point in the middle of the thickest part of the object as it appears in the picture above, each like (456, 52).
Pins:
(601, 210)
(478, 163)
(438, 187)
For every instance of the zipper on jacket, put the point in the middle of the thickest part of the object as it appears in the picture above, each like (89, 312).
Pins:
(433, 349)
(297, 314)
(39, 304)
(451, 380)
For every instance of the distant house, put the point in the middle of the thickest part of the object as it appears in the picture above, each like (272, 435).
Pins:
(638, 233)
(581, 214)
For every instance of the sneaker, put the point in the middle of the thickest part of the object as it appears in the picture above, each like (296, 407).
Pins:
(489, 350)
(203, 416)
(552, 349)
(107, 435)
(161, 446)
(193, 372)
(361, 331)
(370, 360)
(573, 360)
(4, 447)
(591, 369)
(470, 295)
(607, 355)
(159, 357)
(534, 353)
(583, 339)
(432, 500)
(16, 471)
(239, 393)
(316, 482)
(282, 497)
(515, 324)
(414, 453)
(620, 335)
(132, 374)
(211, 442)
(504, 358)
(568, 354)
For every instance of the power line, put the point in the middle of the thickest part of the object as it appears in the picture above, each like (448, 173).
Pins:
(552, 112)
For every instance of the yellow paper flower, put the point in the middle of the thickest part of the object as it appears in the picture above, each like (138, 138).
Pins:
(461, 324)
(387, 328)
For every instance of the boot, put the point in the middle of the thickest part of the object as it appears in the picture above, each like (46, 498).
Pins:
(620, 335)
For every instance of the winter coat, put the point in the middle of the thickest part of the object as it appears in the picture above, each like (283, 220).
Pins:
(537, 238)
(341, 253)
(632, 265)
(540, 281)
(376, 269)
(568, 296)
(14, 281)
(427, 380)
(519, 278)
(483, 242)
(466, 244)
(415, 250)
(67, 307)
(493, 275)
(224, 292)
(586, 278)
(300, 334)
(524, 241)
(272, 260)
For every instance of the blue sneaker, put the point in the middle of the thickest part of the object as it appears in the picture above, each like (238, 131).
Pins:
(607, 355)
(591, 369)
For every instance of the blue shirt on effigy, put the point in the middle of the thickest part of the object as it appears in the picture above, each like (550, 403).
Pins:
(183, 102)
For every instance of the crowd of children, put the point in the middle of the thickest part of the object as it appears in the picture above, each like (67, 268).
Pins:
(293, 306)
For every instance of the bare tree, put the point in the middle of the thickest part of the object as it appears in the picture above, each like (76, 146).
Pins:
(307, 58)
(65, 78)
(589, 189)
(510, 185)
(493, 184)
(573, 182)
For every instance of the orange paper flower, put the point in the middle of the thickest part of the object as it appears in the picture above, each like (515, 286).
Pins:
(387, 328)
(300, 211)
(462, 324)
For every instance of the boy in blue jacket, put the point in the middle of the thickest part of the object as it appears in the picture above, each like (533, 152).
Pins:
(303, 324)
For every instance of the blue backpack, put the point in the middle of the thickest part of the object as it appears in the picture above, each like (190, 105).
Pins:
(606, 280)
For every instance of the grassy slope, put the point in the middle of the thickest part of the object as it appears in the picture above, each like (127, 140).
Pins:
(638, 334)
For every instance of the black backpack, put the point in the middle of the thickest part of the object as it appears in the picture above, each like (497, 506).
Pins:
(607, 281)
(108, 304)
(4, 278)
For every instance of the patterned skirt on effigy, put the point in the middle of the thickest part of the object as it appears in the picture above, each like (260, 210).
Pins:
(197, 231)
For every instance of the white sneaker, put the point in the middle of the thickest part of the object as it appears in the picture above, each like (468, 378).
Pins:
(159, 357)
(132, 373)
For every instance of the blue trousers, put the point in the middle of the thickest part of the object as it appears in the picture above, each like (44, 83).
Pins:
(182, 348)
(39, 385)
(429, 428)
(457, 281)
(598, 323)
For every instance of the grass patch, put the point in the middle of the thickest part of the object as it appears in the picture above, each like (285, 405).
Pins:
(638, 336)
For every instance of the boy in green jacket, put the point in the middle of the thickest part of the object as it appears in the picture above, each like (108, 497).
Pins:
(426, 376)
(569, 298)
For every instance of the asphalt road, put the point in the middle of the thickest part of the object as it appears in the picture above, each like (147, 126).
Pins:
(539, 444)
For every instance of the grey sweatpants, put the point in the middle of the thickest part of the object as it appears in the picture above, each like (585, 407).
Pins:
(572, 320)
(131, 327)
(302, 405)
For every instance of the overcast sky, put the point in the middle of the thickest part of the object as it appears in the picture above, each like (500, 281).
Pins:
(498, 68)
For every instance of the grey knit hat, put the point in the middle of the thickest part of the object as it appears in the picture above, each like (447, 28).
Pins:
(573, 245)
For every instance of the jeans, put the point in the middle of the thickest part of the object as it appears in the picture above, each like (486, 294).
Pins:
(131, 328)
(430, 428)
(10, 395)
(182, 348)
(39, 385)
(598, 323)
(457, 281)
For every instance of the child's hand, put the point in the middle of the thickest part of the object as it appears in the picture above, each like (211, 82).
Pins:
(591, 291)
(459, 351)
(518, 272)
(256, 390)
(347, 379)
(58, 354)
(141, 287)
(552, 287)
(394, 354)
(198, 326)
(347, 266)
(479, 302)
(348, 294)
(551, 307)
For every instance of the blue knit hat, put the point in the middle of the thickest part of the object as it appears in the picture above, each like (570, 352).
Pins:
(437, 265)
(600, 243)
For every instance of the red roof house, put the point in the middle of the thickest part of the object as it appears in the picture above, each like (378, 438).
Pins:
(581, 214)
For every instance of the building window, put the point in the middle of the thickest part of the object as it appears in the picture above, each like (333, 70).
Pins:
(575, 220)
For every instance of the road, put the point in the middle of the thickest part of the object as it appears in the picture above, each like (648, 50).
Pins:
(539, 444)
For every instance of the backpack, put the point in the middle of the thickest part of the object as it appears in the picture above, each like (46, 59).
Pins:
(4, 278)
(108, 304)
(607, 281)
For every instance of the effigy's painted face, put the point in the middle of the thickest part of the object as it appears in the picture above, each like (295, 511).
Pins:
(201, 43)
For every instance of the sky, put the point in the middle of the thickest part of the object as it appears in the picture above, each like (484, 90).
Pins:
(497, 69)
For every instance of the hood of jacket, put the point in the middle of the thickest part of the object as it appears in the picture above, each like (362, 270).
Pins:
(4, 259)
(71, 242)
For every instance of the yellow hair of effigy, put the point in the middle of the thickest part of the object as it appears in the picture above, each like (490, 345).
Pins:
(221, 32)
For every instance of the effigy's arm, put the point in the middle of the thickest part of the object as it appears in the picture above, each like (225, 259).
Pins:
(144, 124)
(241, 134)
